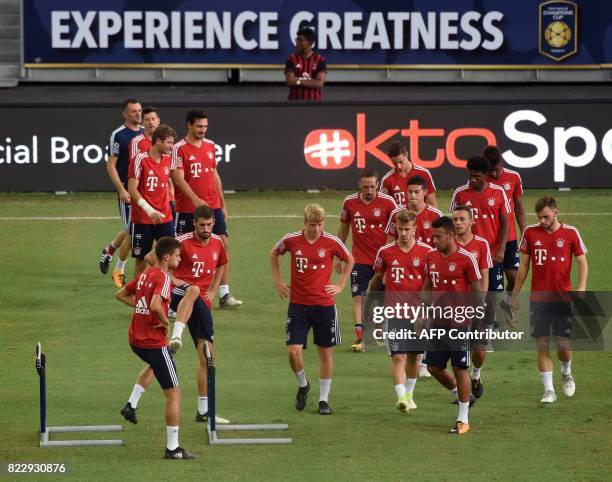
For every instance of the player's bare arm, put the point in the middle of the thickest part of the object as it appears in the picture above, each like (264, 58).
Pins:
(346, 271)
(521, 276)
(426, 291)
(376, 283)
(343, 232)
(111, 169)
(519, 212)
(155, 216)
(178, 177)
(317, 83)
(583, 272)
(484, 282)
(504, 227)
(432, 200)
(219, 189)
(125, 297)
(214, 285)
(290, 78)
(283, 289)
(159, 312)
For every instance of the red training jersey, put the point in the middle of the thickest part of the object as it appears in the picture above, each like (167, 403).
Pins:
(396, 185)
(402, 270)
(198, 165)
(142, 333)
(551, 256)
(513, 186)
(487, 208)
(305, 69)
(424, 219)
(454, 272)
(368, 222)
(142, 143)
(153, 178)
(199, 261)
(479, 248)
(311, 266)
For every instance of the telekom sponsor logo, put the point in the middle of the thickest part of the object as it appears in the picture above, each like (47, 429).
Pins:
(329, 149)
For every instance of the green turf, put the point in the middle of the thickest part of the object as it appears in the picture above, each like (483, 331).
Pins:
(53, 292)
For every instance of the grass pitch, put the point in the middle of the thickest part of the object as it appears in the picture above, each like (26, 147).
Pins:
(53, 292)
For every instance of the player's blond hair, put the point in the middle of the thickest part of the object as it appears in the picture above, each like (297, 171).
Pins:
(405, 216)
(314, 212)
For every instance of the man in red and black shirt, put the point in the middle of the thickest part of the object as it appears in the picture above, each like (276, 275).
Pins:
(311, 298)
(305, 70)
(149, 294)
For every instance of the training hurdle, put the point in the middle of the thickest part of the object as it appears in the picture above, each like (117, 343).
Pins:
(45, 431)
(212, 428)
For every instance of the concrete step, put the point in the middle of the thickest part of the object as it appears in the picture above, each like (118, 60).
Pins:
(10, 32)
(9, 74)
(9, 6)
(10, 19)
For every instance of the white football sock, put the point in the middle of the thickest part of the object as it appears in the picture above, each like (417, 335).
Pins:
(120, 266)
(301, 378)
(547, 380)
(172, 437)
(177, 332)
(475, 373)
(400, 390)
(324, 388)
(410, 383)
(454, 392)
(566, 368)
(136, 394)
(464, 409)
(223, 290)
(202, 405)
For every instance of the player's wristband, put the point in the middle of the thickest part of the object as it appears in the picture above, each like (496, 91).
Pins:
(146, 207)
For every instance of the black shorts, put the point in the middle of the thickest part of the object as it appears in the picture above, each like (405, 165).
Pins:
(360, 279)
(125, 212)
(402, 346)
(511, 256)
(201, 323)
(183, 223)
(544, 315)
(160, 359)
(440, 351)
(143, 236)
(322, 319)
(496, 277)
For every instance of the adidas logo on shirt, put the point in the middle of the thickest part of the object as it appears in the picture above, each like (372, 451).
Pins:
(537, 243)
(395, 262)
(141, 307)
(468, 203)
(192, 157)
(298, 252)
(195, 256)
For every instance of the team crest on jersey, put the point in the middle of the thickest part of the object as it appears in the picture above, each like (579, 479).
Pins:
(321, 253)
(452, 267)
(507, 186)
(416, 262)
(426, 225)
(491, 201)
(376, 212)
(560, 242)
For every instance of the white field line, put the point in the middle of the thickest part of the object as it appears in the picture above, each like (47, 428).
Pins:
(238, 216)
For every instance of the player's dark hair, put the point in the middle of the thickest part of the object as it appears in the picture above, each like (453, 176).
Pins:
(307, 33)
(545, 202)
(396, 149)
(148, 110)
(479, 164)
(163, 132)
(417, 181)
(203, 212)
(126, 102)
(166, 245)
(193, 115)
(445, 223)
(367, 172)
(493, 155)
(463, 207)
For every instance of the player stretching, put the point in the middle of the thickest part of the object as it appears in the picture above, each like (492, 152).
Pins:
(117, 169)
(549, 247)
(367, 213)
(451, 268)
(402, 264)
(491, 214)
(147, 334)
(394, 182)
(513, 186)
(311, 298)
(148, 185)
(194, 172)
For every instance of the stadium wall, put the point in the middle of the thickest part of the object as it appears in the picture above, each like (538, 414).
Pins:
(306, 146)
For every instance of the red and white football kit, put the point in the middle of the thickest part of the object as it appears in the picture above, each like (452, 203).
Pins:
(396, 185)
